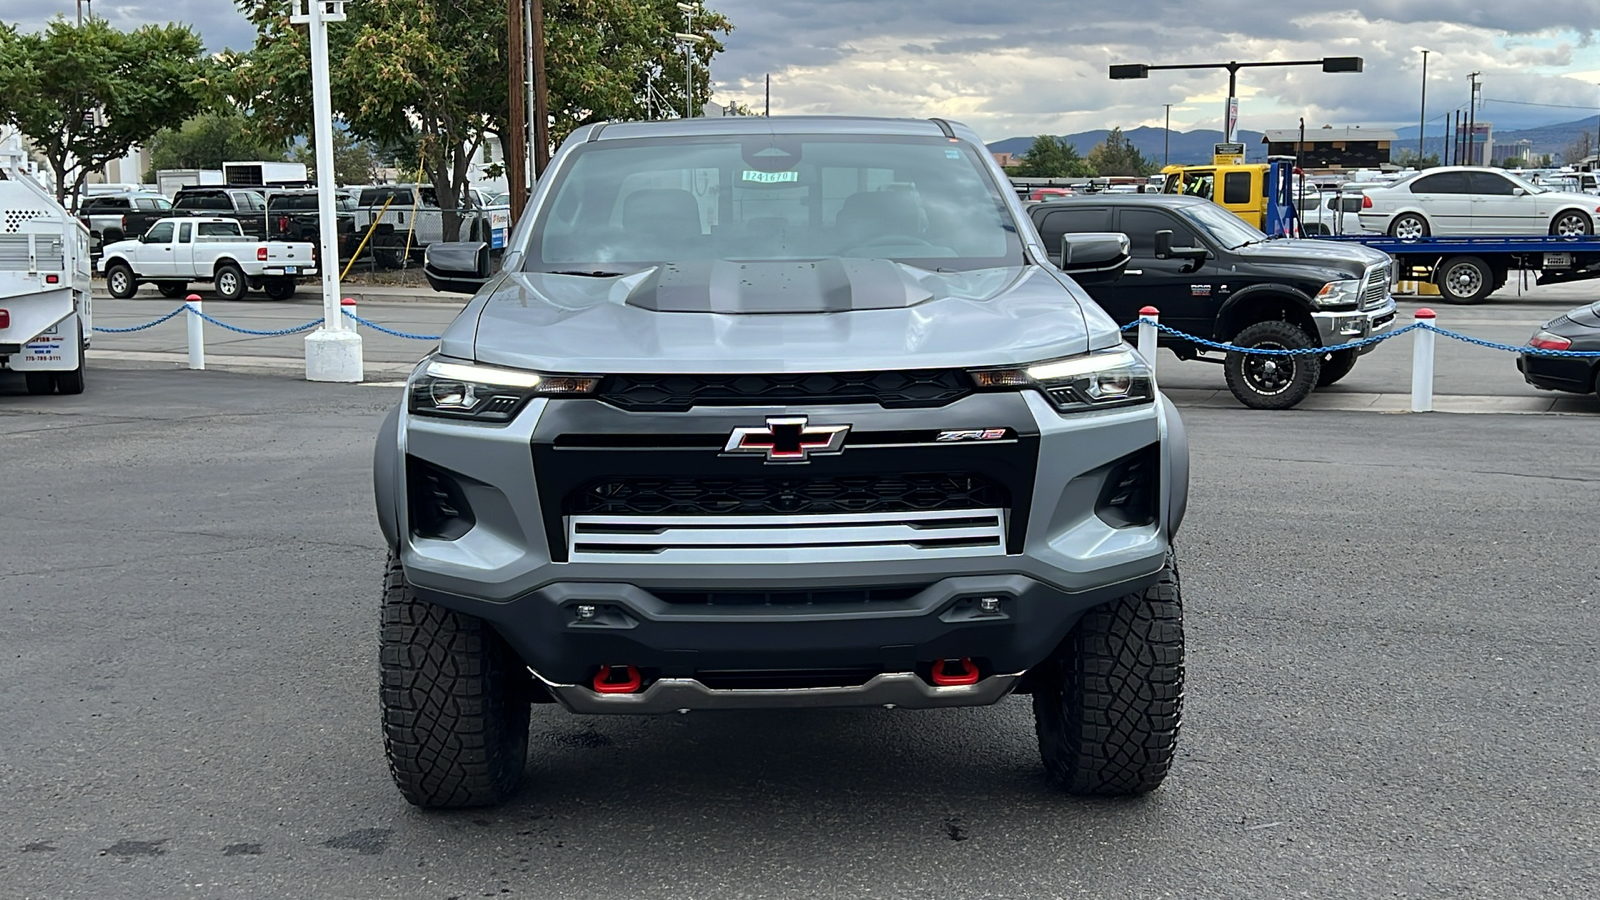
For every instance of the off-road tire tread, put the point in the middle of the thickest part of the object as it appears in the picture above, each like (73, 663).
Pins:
(455, 703)
(1110, 704)
(1308, 367)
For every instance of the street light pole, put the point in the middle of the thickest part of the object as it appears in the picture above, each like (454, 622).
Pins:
(688, 58)
(1422, 116)
(1328, 64)
(333, 352)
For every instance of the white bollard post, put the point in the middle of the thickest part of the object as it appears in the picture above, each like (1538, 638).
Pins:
(348, 305)
(197, 333)
(1422, 363)
(1148, 317)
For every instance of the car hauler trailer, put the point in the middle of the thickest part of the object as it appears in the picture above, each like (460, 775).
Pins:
(44, 282)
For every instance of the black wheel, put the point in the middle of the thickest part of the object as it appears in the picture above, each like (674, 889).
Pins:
(1409, 226)
(1108, 705)
(1571, 223)
(280, 289)
(173, 289)
(1270, 381)
(455, 703)
(1464, 279)
(1336, 366)
(231, 283)
(72, 382)
(120, 281)
(40, 382)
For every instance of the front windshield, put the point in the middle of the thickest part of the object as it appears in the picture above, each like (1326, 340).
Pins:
(1222, 226)
(1524, 183)
(624, 205)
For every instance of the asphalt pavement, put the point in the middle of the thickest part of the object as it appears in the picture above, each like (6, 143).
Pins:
(1392, 632)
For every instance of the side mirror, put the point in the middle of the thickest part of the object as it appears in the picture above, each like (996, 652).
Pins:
(456, 267)
(1094, 257)
(1165, 250)
(1518, 192)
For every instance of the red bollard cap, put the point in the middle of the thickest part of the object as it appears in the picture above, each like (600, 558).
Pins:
(192, 297)
(348, 301)
(1149, 311)
(1425, 313)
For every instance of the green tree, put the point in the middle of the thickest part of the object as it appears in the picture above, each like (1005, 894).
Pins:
(209, 140)
(1408, 158)
(87, 94)
(354, 161)
(433, 73)
(1052, 157)
(1116, 155)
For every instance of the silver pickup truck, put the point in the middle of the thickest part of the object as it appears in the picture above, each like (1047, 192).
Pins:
(175, 252)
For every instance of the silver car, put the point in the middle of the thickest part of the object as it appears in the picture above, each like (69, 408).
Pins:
(1454, 201)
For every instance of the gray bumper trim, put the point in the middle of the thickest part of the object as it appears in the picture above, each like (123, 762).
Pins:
(891, 689)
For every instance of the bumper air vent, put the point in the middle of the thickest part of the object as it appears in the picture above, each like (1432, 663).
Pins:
(1130, 493)
(439, 507)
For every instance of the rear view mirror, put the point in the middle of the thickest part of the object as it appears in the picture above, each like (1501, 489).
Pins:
(456, 267)
(1165, 250)
(1094, 257)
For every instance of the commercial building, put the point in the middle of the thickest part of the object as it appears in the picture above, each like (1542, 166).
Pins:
(1332, 148)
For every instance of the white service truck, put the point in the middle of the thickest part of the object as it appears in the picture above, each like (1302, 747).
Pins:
(177, 251)
(45, 282)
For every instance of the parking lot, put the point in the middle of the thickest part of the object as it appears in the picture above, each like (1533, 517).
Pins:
(1392, 665)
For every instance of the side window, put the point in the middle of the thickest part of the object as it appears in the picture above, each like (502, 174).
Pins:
(1490, 183)
(160, 233)
(1141, 225)
(1442, 183)
(1236, 187)
(1059, 222)
(185, 233)
(1350, 204)
(146, 203)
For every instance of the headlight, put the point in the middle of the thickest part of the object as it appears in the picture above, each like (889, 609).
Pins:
(1340, 293)
(1100, 380)
(486, 393)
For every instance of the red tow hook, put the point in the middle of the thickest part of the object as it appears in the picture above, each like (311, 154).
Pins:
(618, 680)
(947, 672)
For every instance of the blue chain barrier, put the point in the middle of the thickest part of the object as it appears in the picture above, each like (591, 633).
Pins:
(1364, 342)
(251, 331)
(150, 324)
(376, 327)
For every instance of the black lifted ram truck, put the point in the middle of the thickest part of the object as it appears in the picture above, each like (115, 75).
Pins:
(1215, 277)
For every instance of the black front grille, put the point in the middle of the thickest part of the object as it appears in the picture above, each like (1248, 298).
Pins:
(775, 495)
(850, 597)
(921, 388)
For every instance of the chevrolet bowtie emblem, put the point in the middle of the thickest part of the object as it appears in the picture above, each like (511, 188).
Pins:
(788, 439)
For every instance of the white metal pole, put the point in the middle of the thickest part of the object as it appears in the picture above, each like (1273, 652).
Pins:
(1148, 317)
(197, 333)
(333, 352)
(527, 58)
(1422, 362)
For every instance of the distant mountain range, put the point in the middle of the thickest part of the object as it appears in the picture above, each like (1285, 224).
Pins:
(1194, 147)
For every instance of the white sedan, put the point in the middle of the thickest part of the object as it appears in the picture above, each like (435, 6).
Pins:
(1470, 200)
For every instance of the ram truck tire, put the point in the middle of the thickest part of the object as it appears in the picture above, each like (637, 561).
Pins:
(455, 703)
(1108, 706)
(1268, 381)
(1336, 366)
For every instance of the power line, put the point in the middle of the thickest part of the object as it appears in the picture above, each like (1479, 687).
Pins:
(1531, 103)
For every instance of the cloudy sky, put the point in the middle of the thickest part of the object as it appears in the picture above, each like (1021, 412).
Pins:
(1022, 67)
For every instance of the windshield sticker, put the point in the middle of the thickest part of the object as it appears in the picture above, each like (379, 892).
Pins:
(952, 154)
(770, 177)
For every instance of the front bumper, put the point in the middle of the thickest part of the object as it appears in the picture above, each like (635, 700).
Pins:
(1343, 327)
(519, 563)
(905, 690)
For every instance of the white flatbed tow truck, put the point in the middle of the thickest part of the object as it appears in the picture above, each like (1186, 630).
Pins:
(45, 314)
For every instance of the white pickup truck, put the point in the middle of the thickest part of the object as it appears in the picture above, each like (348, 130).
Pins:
(45, 314)
(174, 252)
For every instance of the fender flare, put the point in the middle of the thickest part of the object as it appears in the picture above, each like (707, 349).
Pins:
(386, 474)
(1175, 441)
(1289, 292)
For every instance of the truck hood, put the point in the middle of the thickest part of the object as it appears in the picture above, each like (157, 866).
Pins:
(1350, 258)
(777, 317)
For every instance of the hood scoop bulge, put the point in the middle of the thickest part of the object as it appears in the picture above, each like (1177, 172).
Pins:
(753, 288)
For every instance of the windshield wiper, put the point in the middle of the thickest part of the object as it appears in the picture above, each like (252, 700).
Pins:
(588, 273)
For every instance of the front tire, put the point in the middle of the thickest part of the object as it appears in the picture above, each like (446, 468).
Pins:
(1409, 227)
(121, 283)
(455, 703)
(1262, 381)
(1336, 366)
(1465, 279)
(1108, 705)
(1571, 224)
(231, 283)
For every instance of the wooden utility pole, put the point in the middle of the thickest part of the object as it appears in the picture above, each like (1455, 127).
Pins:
(514, 142)
(541, 98)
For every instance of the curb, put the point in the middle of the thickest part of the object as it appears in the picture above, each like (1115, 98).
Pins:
(248, 365)
(1576, 404)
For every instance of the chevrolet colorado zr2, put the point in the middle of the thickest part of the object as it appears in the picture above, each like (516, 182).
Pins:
(778, 413)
